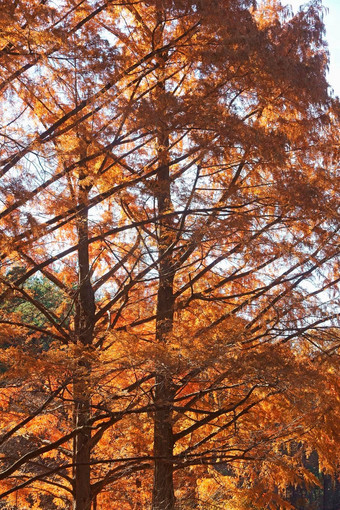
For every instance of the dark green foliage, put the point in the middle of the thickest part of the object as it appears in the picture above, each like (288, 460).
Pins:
(20, 309)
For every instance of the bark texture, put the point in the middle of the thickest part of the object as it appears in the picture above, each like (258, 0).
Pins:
(163, 488)
(84, 325)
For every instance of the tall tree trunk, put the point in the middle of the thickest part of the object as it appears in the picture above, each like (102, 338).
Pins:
(163, 488)
(84, 325)
(82, 450)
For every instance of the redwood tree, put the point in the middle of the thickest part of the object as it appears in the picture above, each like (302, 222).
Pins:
(170, 167)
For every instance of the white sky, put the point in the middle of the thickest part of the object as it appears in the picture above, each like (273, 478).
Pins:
(332, 22)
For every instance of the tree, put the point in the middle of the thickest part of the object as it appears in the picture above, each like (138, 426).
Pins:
(177, 184)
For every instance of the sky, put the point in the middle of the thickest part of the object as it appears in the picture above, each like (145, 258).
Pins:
(332, 22)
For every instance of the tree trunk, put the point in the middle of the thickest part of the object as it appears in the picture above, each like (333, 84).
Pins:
(163, 488)
(84, 324)
(81, 449)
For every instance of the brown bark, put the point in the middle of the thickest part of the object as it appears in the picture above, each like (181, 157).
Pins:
(163, 488)
(84, 324)
(82, 450)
